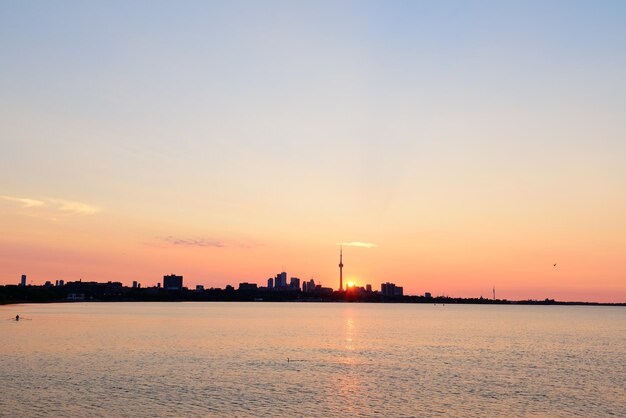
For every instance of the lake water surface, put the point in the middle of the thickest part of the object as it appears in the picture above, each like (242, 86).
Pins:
(230, 359)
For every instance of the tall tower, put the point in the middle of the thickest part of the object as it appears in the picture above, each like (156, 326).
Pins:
(341, 268)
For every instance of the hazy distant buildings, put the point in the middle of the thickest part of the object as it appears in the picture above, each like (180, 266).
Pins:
(427, 295)
(173, 282)
(171, 288)
(308, 287)
(390, 289)
(95, 290)
(323, 291)
(23, 281)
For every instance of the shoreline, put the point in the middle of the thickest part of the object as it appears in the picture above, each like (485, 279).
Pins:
(434, 301)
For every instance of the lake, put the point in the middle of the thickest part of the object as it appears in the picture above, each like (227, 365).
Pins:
(231, 359)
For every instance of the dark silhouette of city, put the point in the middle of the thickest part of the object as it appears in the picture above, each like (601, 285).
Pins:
(278, 289)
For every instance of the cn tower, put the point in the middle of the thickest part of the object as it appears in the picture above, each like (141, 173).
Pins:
(341, 268)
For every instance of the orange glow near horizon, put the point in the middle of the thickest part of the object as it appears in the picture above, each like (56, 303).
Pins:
(99, 247)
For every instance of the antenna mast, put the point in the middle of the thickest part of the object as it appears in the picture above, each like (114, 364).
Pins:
(341, 268)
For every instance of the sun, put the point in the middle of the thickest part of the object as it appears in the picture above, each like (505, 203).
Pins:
(350, 284)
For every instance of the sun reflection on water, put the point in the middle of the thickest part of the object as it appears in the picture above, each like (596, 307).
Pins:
(350, 334)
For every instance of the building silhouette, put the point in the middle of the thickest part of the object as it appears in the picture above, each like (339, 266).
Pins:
(173, 282)
(308, 287)
(23, 281)
(390, 289)
(281, 280)
(247, 287)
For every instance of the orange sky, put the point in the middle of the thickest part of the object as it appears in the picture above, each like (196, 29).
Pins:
(433, 254)
(473, 146)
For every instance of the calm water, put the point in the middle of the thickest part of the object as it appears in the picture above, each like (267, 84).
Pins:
(230, 359)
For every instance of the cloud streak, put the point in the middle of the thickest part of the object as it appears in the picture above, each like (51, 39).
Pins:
(194, 242)
(359, 244)
(202, 242)
(74, 207)
(25, 202)
(54, 204)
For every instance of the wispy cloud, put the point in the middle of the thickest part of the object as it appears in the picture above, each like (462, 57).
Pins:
(359, 244)
(194, 242)
(74, 207)
(25, 202)
(54, 204)
(203, 242)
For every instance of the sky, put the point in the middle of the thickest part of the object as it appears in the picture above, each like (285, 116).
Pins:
(470, 144)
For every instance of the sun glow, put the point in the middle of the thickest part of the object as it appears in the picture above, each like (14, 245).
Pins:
(350, 284)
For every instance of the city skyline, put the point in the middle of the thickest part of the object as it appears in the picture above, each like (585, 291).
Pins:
(449, 147)
(282, 282)
(352, 281)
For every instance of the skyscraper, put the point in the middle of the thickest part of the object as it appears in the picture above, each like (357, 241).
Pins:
(281, 280)
(23, 282)
(341, 268)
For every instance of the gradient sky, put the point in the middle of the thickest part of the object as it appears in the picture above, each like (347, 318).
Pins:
(474, 143)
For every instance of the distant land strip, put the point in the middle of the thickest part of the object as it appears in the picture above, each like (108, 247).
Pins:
(114, 292)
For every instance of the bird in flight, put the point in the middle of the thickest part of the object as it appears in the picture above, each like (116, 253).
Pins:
(554, 265)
